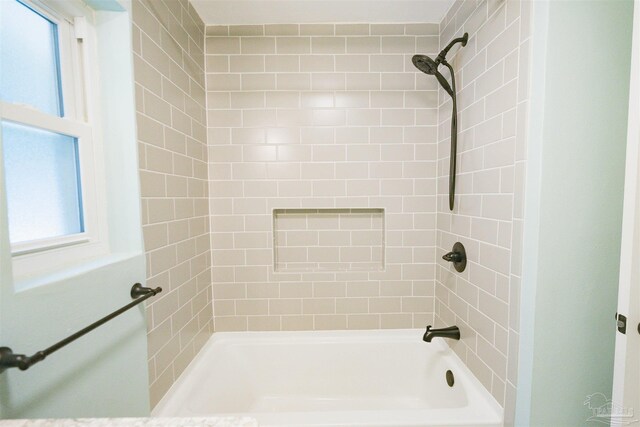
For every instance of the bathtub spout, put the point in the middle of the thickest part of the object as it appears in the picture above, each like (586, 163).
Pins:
(451, 332)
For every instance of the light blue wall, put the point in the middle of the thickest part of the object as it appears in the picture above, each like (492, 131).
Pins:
(580, 83)
(103, 374)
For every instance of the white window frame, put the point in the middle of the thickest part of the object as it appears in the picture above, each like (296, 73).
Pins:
(79, 77)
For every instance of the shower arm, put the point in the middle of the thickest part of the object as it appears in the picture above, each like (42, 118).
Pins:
(454, 137)
(441, 58)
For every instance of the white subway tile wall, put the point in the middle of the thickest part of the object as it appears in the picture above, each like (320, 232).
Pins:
(314, 116)
(168, 44)
(492, 77)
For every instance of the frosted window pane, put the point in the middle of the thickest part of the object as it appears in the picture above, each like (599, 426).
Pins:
(29, 60)
(43, 186)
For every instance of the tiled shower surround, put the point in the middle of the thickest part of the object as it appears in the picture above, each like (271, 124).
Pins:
(492, 79)
(323, 118)
(312, 191)
(168, 43)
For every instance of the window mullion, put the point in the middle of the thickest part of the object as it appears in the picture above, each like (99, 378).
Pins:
(35, 118)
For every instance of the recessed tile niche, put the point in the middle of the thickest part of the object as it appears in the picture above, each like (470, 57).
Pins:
(307, 240)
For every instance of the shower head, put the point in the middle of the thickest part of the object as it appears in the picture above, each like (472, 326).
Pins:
(429, 66)
(425, 64)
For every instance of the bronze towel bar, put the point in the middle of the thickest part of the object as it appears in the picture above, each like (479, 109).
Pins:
(10, 360)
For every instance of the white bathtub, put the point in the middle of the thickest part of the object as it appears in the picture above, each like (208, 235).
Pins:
(345, 378)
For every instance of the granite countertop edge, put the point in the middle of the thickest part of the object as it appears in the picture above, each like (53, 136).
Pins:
(134, 422)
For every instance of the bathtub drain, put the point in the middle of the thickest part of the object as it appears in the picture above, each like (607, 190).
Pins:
(450, 379)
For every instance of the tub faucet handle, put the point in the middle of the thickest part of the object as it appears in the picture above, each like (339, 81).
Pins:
(452, 257)
(457, 256)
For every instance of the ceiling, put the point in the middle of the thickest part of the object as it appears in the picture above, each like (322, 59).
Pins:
(225, 12)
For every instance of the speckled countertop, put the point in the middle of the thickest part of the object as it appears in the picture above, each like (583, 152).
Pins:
(134, 422)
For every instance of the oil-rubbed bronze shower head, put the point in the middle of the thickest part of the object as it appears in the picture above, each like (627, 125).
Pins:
(425, 64)
(429, 66)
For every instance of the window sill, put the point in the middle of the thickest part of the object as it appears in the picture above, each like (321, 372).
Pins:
(22, 284)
